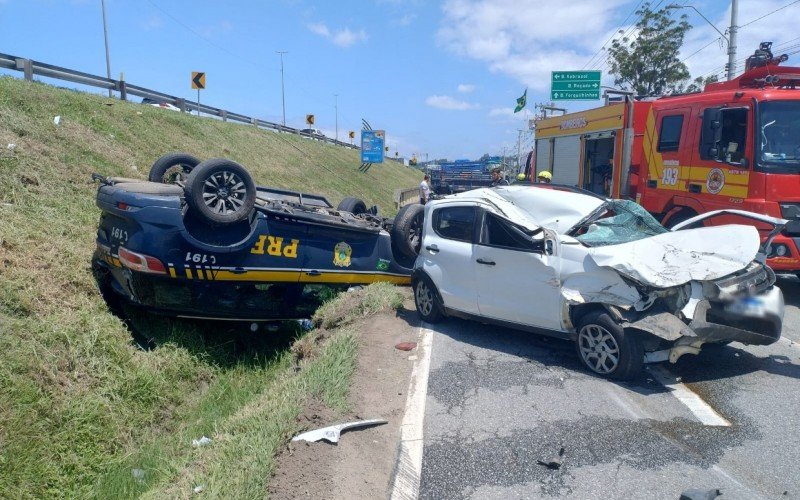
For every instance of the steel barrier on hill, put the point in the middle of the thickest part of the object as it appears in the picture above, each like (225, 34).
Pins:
(29, 68)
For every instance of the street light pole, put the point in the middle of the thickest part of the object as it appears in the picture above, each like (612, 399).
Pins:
(732, 41)
(732, 30)
(105, 37)
(336, 107)
(283, 95)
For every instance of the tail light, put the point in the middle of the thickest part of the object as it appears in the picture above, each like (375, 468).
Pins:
(140, 262)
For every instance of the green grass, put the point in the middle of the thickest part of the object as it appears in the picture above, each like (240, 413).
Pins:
(80, 404)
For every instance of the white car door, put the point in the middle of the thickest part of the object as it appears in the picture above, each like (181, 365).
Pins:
(516, 278)
(447, 254)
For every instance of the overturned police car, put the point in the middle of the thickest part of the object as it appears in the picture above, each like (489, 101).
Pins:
(603, 273)
(201, 240)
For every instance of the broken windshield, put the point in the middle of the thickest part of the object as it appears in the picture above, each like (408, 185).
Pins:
(622, 221)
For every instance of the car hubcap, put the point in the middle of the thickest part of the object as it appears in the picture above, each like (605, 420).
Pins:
(598, 348)
(415, 233)
(224, 192)
(424, 299)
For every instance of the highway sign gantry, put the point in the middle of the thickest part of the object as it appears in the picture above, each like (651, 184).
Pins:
(575, 85)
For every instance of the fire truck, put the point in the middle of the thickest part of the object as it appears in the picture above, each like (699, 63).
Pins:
(736, 144)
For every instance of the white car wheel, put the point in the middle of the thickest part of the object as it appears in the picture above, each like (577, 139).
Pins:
(599, 349)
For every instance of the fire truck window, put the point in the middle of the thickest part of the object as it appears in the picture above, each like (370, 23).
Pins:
(734, 135)
(670, 136)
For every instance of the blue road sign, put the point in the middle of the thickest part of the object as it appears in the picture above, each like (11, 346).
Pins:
(372, 144)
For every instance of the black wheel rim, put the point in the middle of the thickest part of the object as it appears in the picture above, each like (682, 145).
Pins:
(415, 233)
(224, 192)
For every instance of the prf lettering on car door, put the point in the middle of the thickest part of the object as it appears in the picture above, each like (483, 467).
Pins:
(274, 245)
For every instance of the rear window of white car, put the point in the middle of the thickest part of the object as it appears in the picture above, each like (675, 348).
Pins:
(455, 223)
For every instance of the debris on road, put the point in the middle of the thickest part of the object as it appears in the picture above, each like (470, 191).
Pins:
(332, 433)
(406, 346)
(555, 462)
(697, 494)
(197, 443)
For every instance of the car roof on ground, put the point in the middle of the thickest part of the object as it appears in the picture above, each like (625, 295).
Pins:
(534, 207)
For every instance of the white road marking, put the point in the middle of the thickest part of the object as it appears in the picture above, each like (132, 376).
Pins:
(789, 342)
(702, 410)
(409, 465)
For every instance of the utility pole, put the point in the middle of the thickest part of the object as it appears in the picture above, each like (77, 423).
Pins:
(336, 107)
(732, 39)
(105, 36)
(283, 98)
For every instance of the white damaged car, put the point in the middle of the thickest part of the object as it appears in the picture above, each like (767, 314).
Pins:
(601, 272)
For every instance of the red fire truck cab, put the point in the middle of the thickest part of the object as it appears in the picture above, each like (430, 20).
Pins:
(734, 145)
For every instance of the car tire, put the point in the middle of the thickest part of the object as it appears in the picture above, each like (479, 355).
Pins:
(682, 216)
(353, 205)
(220, 192)
(407, 229)
(426, 300)
(172, 168)
(607, 349)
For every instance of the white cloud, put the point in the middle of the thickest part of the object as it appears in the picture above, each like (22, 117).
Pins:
(507, 113)
(343, 37)
(319, 29)
(346, 38)
(513, 37)
(406, 19)
(447, 102)
(154, 22)
(465, 88)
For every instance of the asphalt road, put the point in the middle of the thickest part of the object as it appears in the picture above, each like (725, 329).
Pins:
(500, 400)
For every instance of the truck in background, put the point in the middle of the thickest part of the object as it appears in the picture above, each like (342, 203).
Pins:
(462, 175)
(736, 145)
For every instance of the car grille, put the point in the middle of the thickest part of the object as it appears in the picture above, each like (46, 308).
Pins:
(752, 280)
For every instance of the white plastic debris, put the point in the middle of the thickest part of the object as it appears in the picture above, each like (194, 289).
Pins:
(11, 146)
(332, 433)
(138, 474)
(305, 324)
(199, 488)
(203, 441)
(57, 120)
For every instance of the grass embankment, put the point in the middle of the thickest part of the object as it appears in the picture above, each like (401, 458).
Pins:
(80, 405)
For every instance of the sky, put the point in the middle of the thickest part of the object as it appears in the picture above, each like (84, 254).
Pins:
(441, 78)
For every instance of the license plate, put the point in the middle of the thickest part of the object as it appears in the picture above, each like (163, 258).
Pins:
(750, 306)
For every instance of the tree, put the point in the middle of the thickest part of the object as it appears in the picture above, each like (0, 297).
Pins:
(647, 60)
(700, 83)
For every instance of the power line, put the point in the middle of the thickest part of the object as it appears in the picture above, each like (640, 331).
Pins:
(635, 8)
(701, 49)
(769, 14)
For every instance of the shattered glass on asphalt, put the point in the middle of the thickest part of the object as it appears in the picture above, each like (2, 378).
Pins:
(631, 223)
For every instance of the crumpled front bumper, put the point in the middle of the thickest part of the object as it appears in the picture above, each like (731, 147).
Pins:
(755, 319)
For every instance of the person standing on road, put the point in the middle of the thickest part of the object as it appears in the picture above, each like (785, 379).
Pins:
(424, 190)
(497, 178)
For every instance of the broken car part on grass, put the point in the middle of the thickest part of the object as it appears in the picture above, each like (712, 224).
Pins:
(333, 432)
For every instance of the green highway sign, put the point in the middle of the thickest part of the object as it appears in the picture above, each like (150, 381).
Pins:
(575, 85)
(575, 95)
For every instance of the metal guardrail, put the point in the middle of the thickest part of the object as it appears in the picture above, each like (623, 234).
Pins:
(30, 68)
(403, 197)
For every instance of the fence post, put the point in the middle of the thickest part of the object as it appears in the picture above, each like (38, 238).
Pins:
(224, 115)
(26, 67)
(123, 91)
(254, 121)
(181, 102)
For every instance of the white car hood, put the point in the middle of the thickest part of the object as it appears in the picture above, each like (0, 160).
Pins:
(675, 258)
